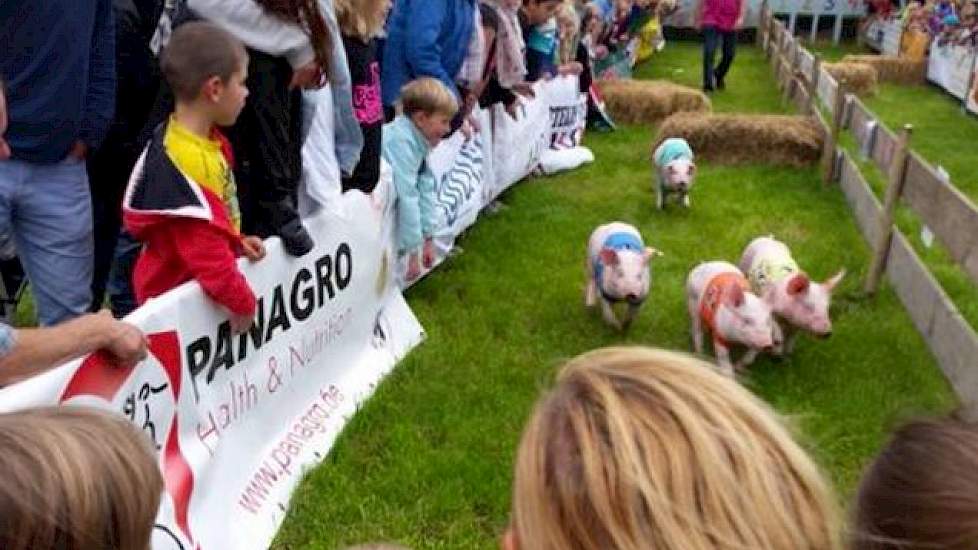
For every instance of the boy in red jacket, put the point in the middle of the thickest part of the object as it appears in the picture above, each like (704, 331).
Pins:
(182, 200)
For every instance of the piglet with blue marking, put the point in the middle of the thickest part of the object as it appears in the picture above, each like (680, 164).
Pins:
(618, 271)
(674, 171)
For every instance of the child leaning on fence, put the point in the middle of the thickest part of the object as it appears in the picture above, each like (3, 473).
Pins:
(427, 108)
(182, 201)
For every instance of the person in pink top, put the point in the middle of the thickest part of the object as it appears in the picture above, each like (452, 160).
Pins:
(719, 21)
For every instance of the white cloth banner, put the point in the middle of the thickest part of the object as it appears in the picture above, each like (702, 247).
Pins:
(972, 101)
(950, 67)
(237, 419)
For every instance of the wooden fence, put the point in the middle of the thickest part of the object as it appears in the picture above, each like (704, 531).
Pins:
(949, 214)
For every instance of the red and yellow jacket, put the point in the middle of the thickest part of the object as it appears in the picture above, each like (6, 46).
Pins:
(185, 231)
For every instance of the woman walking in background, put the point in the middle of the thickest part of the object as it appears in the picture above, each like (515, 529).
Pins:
(719, 21)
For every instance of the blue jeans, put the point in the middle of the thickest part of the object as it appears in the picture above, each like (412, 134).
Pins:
(48, 211)
(712, 36)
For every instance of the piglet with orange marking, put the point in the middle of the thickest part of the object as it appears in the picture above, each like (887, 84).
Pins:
(720, 301)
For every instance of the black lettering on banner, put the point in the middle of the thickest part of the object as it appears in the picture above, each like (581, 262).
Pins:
(198, 354)
(302, 312)
(224, 355)
(278, 318)
(324, 271)
(256, 332)
(344, 266)
(333, 273)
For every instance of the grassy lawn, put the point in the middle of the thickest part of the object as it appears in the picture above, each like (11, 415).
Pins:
(427, 462)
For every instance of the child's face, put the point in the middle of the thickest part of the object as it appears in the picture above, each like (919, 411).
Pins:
(433, 126)
(539, 12)
(623, 6)
(566, 24)
(228, 98)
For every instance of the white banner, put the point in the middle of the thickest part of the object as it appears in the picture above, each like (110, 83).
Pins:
(972, 101)
(950, 67)
(237, 419)
(568, 113)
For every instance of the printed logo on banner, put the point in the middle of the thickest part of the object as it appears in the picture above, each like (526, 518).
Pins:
(152, 408)
(456, 187)
(567, 124)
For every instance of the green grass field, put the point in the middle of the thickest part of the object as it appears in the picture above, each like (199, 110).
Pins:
(427, 462)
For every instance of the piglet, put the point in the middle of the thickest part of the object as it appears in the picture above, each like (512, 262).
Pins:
(720, 300)
(618, 271)
(674, 171)
(798, 302)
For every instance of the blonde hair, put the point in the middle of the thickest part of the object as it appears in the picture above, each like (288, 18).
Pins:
(639, 448)
(360, 18)
(75, 479)
(428, 95)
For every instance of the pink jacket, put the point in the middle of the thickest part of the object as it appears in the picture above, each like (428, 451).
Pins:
(721, 14)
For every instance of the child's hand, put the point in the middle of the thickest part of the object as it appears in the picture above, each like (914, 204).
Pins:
(428, 253)
(253, 247)
(413, 267)
(241, 323)
(524, 89)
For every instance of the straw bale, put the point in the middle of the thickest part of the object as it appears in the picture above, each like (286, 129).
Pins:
(860, 78)
(747, 139)
(891, 68)
(650, 101)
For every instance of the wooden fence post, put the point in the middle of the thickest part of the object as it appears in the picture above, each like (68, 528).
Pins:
(897, 176)
(811, 86)
(793, 57)
(828, 153)
(760, 24)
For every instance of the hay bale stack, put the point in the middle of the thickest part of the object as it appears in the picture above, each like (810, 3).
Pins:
(860, 78)
(650, 101)
(747, 139)
(891, 68)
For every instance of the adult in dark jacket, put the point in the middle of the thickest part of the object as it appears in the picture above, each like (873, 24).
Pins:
(109, 168)
(425, 38)
(58, 65)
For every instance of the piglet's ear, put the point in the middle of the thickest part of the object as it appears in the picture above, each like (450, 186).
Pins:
(735, 298)
(798, 285)
(609, 256)
(834, 281)
(692, 169)
(650, 253)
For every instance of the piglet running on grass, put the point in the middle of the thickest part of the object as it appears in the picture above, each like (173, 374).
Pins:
(797, 301)
(720, 301)
(674, 171)
(618, 271)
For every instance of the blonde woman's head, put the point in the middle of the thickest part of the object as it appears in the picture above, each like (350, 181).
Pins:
(75, 479)
(363, 19)
(639, 448)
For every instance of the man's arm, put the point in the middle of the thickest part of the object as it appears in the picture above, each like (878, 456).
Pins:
(33, 351)
(100, 98)
(251, 24)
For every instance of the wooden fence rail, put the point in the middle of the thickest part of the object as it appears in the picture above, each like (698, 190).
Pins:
(950, 215)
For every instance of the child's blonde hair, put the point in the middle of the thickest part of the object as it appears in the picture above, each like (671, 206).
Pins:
(638, 448)
(363, 19)
(428, 95)
(76, 479)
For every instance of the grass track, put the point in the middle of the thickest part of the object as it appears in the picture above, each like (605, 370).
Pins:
(427, 462)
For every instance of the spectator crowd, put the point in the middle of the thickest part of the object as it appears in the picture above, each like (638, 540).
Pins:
(147, 143)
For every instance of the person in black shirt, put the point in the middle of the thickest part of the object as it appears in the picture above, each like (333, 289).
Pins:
(360, 22)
